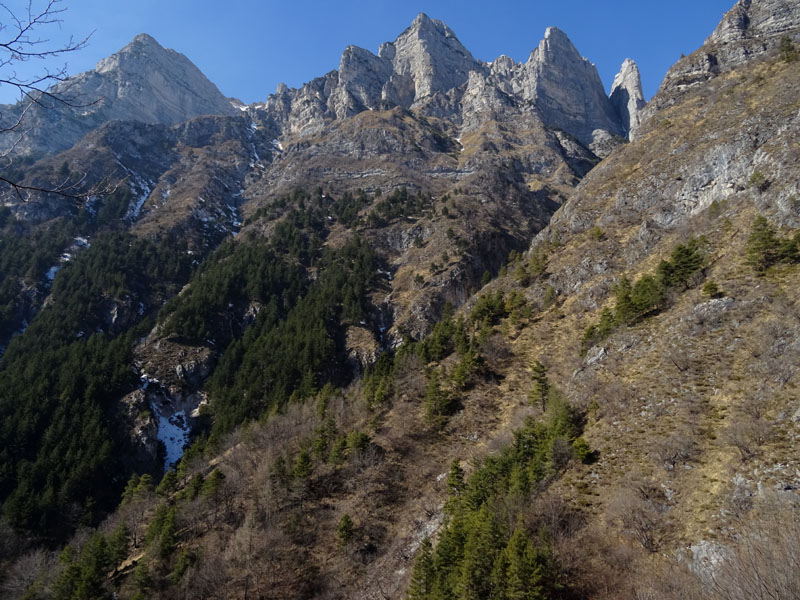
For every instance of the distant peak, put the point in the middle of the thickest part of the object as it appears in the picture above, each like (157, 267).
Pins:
(422, 19)
(555, 32)
(424, 26)
(555, 45)
(629, 66)
(145, 39)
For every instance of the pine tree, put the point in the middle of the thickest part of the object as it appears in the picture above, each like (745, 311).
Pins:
(166, 543)
(762, 245)
(212, 484)
(522, 572)
(345, 530)
(302, 466)
(435, 402)
(624, 311)
(647, 295)
(455, 479)
(423, 573)
(480, 552)
(541, 386)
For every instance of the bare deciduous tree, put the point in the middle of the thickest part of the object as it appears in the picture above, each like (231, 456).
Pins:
(22, 41)
(675, 449)
(641, 510)
(765, 562)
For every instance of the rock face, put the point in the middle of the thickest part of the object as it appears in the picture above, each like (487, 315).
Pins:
(142, 82)
(427, 69)
(750, 29)
(566, 89)
(627, 97)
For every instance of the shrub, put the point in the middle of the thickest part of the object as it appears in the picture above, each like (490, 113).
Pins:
(788, 52)
(759, 181)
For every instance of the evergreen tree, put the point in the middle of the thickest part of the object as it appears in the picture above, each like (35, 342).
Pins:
(302, 466)
(624, 311)
(541, 385)
(212, 485)
(522, 572)
(345, 530)
(168, 483)
(455, 479)
(480, 552)
(436, 402)
(166, 542)
(118, 544)
(647, 295)
(423, 573)
(762, 245)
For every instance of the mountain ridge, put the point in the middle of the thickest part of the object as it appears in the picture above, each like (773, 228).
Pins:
(445, 330)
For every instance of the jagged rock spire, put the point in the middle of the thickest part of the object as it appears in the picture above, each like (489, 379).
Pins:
(627, 96)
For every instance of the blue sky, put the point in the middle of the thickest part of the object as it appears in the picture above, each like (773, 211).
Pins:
(246, 47)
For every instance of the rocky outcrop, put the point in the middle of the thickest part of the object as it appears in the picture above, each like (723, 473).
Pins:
(749, 30)
(429, 54)
(566, 89)
(627, 97)
(143, 82)
(427, 69)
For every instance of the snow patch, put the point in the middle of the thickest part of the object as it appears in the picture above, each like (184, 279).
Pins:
(136, 207)
(173, 430)
(51, 273)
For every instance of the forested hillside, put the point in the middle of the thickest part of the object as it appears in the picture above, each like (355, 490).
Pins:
(361, 342)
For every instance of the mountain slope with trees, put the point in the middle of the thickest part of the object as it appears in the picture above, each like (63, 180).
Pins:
(398, 395)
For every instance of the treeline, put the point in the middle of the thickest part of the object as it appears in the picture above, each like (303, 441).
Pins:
(60, 381)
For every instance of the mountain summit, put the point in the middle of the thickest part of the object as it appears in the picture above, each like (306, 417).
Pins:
(142, 82)
(428, 69)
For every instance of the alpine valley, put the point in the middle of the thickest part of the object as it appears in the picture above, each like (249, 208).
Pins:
(425, 327)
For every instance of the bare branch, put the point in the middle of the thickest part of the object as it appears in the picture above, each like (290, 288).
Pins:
(20, 42)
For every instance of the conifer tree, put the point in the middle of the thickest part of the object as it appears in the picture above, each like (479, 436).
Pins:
(166, 543)
(455, 478)
(541, 386)
(435, 403)
(762, 245)
(624, 311)
(422, 574)
(345, 529)
(480, 552)
(302, 466)
(522, 572)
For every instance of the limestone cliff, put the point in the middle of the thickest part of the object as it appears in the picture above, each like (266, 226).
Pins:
(142, 82)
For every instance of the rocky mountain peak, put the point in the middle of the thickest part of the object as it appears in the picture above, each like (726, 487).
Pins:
(627, 96)
(142, 49)
(431, 55)
(747, 31)
(142, 82)
(757, 19)
(567, 90)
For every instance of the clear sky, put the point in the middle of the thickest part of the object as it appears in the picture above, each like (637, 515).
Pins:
(246, 47)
